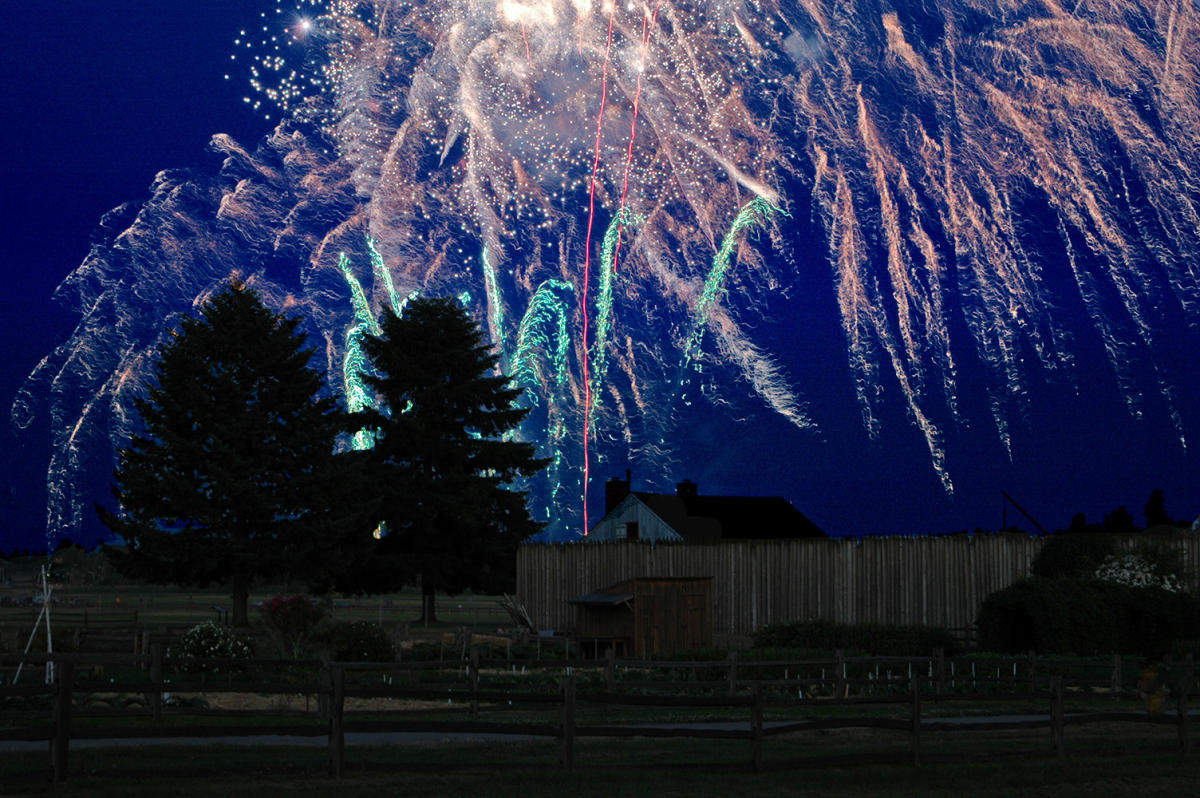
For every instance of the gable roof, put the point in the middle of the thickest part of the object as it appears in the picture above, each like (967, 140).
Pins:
(704, 519)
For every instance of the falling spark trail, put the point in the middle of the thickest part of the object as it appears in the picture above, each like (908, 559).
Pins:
(587, 261)
(648, 23)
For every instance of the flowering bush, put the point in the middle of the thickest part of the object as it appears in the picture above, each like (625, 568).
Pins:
(1136, 571)
(291, 622)
(209, 640)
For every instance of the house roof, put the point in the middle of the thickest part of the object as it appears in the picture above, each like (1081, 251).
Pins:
(703, 519)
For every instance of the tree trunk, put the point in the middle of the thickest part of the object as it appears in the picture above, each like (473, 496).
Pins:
(428, 605)
(241, 599)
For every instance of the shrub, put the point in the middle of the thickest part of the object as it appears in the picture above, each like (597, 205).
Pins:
(1072, 554)
(871, 638)
(1136, 571)
(1182, 647)
(1086, 616)
(358, 641)
(1164, 557)
(292, 622)
(209, 640)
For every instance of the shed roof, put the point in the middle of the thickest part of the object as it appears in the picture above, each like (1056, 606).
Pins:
(601, 599)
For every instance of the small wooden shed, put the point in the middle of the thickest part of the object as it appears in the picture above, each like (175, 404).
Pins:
(647, 616)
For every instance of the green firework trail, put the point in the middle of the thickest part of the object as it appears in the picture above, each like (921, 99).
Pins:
(624, 218)
(543, 335)
(495, 310)
(384, 274)
(754, 212)
(354, 362)
(543, 329)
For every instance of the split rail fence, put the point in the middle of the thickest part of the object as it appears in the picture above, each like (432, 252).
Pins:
(743, 691)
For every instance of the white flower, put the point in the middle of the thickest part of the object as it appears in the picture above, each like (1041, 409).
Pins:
(1135, 571)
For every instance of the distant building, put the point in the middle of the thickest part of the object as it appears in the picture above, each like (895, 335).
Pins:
(688, 517)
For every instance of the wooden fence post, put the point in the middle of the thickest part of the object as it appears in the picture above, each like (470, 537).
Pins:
(474, 681)
(337, 733)
(156, 680)
(566, 754)
(1056, 715)
(914, 731)
(939, 670)
(322, 695)
(756, 729)
(60, 743)
(732, 673)
(1185, 685)
(610, 669)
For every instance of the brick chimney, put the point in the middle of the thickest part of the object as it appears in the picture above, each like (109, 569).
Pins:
(615, 491)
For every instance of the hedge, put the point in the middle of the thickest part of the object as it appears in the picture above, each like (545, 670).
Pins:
(1085, 617)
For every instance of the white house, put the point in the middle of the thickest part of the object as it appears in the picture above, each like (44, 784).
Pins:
(686, 516)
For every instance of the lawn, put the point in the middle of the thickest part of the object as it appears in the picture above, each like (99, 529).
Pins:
(832, 766)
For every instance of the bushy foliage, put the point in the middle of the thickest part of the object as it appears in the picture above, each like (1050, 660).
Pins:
(210, 640)
(871, 638)
(445, 466)
(1072, 554)
(358, 641)
(1135, 570)
(292, 623)
(1184, 646)
(234, 474)
(1086, 616)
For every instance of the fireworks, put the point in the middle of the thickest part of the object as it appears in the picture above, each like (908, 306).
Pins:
(971, 167)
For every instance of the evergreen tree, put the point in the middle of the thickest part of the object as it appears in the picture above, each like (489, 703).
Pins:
(442, 460)
(234, 475)
(1156, 510)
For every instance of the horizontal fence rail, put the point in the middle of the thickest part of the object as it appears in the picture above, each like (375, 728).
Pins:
(744, 690)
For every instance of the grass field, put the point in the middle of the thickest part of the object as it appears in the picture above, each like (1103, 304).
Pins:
(837, 765)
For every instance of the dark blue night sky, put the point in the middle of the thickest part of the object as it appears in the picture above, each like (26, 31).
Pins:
(100, 96)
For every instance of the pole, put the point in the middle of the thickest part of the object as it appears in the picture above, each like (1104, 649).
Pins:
(42, 613)
(49, 637)
(156, 679)
(566, 756)
(914, 738)
(756, 730)
(337, 731)
(61, 741)
(1185, 686)
(474, 681)
(1056, 715)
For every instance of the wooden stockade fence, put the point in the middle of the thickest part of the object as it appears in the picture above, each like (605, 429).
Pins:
(935, 580)
(904, 683)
